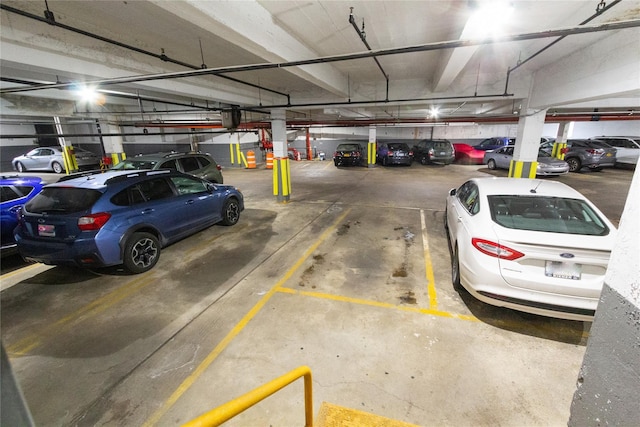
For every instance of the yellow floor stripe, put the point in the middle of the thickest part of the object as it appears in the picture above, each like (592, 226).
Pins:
(431, 286)
(331, 415)
(51, 330)
(191, 379)
(371, 303)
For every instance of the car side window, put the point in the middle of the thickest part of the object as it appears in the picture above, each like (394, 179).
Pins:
(8, 194)
(156, 189)
(128, 197)
(468, 197)
(189, 164)
(186, 185)
(509, 151)
(171, 164)
(204, 162)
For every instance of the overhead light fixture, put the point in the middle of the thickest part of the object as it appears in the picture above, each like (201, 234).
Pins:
(90, 95)
(489, 19)
(434, 112)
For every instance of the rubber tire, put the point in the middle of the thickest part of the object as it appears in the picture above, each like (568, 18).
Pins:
(230, 212)
(20, 167)
(57, 167)
(491, 164)
(337, 163)
(455, 270)
(141, 253)
(424, 161)
(574, 164)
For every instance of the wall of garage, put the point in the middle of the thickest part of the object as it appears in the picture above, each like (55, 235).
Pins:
(17, 139)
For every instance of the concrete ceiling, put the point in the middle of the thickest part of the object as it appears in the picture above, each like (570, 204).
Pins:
(307, 57)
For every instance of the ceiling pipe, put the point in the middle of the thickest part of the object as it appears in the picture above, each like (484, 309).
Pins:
(49, 18)
(363, 37)
(609, 26)
(599, 11)
(302, 123)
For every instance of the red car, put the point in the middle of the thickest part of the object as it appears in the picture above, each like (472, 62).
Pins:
(466, 154)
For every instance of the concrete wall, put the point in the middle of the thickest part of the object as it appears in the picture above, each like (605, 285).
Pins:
(608, 385)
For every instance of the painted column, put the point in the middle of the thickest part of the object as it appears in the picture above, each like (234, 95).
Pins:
(371, 147)
(68, 157)
(281, 171)
(609, 380)
(525, 154)
(565, 129)
(113, 146)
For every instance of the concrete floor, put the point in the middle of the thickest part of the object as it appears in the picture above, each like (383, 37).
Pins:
(351, 278)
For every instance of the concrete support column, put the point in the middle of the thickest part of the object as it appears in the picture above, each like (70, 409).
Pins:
(69, 158)
(525, 154)
(113, 146)
(371, 147)
(565, 129)
(609, 381)
(281, 172)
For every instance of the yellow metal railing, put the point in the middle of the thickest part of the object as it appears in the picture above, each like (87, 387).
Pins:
(230, 409)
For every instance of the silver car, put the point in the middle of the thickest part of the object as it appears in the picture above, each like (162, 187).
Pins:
(50, 159)
(500, 158)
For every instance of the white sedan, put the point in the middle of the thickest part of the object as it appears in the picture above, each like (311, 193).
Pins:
(537, 246)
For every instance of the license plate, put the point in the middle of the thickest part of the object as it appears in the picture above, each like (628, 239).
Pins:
(347, 155)
(609, 154)
(442, 153)
(563, 270)
(46, 230)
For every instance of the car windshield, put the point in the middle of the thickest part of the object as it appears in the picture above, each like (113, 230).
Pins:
(348, 147)
(548, 214)
(441, 145)
(65, 200)
(132, 164)
(398, 146)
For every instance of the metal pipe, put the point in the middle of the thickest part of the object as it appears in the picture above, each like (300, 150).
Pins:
(609, 26)
(364, 40)
(586, 21)
(50, 19)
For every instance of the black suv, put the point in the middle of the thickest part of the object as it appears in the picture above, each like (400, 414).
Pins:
(430, 151)
(348, 154)
(199, 164)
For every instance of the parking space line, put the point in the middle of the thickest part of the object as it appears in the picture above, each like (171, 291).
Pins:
(34, 340)
(191, 379)
(371, 303)
(431, 281)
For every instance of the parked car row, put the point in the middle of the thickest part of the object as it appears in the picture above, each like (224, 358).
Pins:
(427, 151)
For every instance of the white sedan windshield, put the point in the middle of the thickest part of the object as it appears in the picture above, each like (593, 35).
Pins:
(548, 214)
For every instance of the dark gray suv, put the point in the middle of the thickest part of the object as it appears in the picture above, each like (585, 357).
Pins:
(199, 164)
(430, 151)
(590, 153)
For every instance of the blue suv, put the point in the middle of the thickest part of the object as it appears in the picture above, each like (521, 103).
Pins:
(16, 191)
(120, 217)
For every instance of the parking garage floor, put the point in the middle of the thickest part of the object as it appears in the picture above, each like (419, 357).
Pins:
(350, 278)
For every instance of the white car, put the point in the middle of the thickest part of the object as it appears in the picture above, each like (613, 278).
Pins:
(627, 148)
(532, 245)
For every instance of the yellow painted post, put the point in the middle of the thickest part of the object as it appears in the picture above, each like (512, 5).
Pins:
(559, 150)
(281, 179)
(371, 154)
(520, 169)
